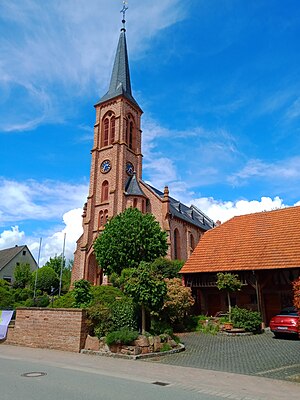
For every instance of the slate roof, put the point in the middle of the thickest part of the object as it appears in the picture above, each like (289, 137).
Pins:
(7, 255)
(265, 240)
(133, 188)
(120, 77)
(190, 214)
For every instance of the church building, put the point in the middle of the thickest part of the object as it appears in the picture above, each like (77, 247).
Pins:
(116, 178)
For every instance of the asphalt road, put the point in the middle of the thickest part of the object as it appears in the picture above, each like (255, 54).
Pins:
(77, 377)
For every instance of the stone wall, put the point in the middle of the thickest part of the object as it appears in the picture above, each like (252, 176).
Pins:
(52, 328)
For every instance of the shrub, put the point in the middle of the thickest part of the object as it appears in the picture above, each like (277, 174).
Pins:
(246, 319)
(124, 336)
(41, 301)
(99, 320)
(167, 268)
(82, 293)
(105, 294)
(124, 314)
(165, 347)
(65, 301)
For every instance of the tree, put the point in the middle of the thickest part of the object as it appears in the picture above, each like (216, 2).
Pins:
(128, 239)
(57, 263)
(61, 267)
(230, 283)
(167, 268)
(178, 302)
(82, 293)
(6, 297)
(22, 276)
(146, 288)
(47, 279)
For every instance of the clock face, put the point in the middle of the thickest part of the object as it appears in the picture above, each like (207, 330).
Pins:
(105, 166)
(129, 168)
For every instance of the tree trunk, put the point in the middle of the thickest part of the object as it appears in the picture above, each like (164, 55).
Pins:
(143, 320)
(229, 306)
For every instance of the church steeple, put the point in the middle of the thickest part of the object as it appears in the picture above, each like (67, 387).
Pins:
(120, 78)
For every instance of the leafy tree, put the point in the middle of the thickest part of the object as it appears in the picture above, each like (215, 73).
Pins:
(82, 293)
(128, 239)
(146, 288)
(178, 302)
(22, 276)
(230, 283)
(167, 268)
(6, 297)
(56, 263)
(47, 279)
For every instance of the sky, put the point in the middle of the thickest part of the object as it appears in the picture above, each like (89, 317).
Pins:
(219, 84)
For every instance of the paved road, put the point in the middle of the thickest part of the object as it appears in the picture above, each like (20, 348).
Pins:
(79, 376)
(260, 355)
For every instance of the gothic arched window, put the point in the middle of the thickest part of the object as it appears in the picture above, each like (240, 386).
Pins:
(130, 133)
(104, 191)
(109, 129)
(101, 219)
(177, 254)
(105, 216)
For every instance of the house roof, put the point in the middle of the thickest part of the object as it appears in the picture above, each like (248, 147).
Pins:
(265, 240)
(190, 214)
(120, 77)
(7, 255)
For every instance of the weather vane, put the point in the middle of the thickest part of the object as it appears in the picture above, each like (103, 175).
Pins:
(124, 9)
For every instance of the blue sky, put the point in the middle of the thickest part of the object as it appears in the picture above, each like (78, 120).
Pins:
(218, 82)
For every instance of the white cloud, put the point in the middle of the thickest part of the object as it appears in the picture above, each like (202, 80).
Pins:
(224, 210)
(55, 51)
(32, 200)
(282, 170)
(52, 244)
(11, 238)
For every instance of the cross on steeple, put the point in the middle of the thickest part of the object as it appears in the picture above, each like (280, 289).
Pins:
(124, 9)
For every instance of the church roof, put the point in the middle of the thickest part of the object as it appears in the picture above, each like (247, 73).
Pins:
(7, 255)
(120, 77)
(265, 240)
(190, 214)
(133, 188)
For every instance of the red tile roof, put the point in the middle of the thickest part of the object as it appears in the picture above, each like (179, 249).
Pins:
(265, 240)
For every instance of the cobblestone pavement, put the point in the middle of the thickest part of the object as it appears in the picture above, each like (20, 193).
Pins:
(260, 355)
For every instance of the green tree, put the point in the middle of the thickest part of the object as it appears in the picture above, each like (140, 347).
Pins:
(146, 288)
(63, 268)
(57, 263)
(128, 239)
(22, 276)
(47, 279)
(6, 296)
(230, 283)
(167, 268)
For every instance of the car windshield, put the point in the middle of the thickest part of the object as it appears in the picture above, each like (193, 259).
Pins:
(289, 311)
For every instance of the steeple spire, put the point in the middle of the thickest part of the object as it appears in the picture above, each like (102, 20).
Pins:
(120, 77)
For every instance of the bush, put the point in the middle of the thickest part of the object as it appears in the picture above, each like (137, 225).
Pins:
(99, 320)
(82, 293)
(167, 268)
(165, 347)
(124, 314)
(105, 294)
(41, 301)
(65, 301)
(124, 336)
(20, 295)
(246, 319)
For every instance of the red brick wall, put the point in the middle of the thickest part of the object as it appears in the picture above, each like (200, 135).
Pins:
(52, 328)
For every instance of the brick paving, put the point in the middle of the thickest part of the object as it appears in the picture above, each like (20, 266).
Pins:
(259, 355)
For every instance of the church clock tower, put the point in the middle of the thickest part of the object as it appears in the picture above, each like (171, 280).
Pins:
(116, 166)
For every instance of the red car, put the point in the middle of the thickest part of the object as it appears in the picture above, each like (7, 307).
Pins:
(286, 322)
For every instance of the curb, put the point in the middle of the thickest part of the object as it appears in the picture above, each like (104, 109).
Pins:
(179, 349)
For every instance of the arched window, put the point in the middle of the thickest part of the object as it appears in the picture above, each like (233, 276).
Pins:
(112, 129)
(101, 219)
(109, 129)
(130, 132)
(105, 132)
(177, 254)
(192, 242)
(135, 203)
(105, 216)
(104, 191)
